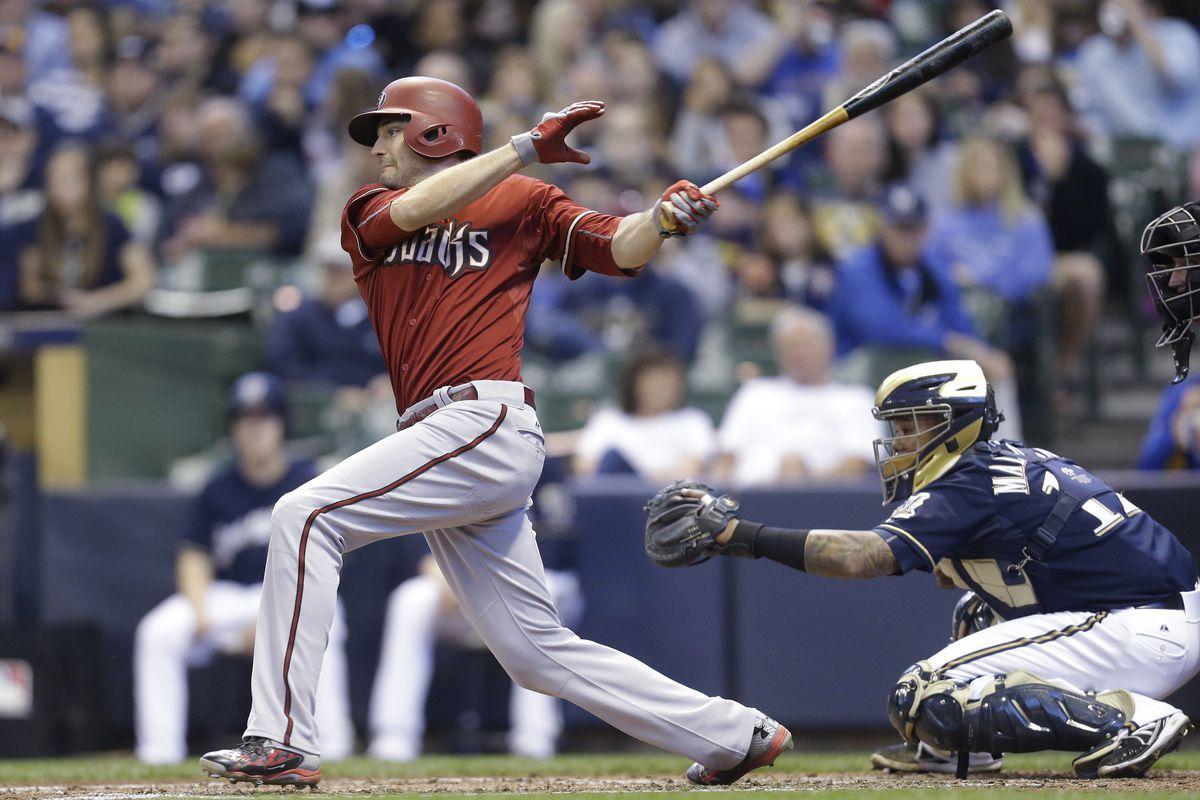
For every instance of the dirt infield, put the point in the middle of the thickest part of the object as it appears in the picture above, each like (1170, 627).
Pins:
(1173, 782)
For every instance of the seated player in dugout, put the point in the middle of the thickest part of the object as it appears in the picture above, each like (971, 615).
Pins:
(1171, 242)
(1099, 602)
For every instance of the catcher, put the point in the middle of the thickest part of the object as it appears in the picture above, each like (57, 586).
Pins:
(1100, 605)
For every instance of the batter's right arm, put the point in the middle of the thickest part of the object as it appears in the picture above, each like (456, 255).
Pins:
(444, 193)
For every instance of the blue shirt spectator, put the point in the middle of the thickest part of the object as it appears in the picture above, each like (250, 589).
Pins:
(992, 238)
(725, 29)
(326, 339)
(1173, 440)
(879, 302)
(888, 294)
(1138, 77)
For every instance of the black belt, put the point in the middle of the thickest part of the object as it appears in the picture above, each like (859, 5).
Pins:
(468, 392)
(1174, 604)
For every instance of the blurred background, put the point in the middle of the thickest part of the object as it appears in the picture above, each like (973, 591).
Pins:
(171, 181)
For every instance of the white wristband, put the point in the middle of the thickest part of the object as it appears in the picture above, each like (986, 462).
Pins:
(523, 142)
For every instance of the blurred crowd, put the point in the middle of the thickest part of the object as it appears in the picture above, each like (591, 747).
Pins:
(145, 143)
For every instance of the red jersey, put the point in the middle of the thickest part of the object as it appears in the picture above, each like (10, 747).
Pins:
(448, 302)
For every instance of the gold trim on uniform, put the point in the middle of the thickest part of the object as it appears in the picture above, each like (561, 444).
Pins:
(1048, 636)
(911, 540)
(940, 462)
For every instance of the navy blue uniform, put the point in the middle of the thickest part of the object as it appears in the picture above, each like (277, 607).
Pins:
(232, 520)
(977, 520)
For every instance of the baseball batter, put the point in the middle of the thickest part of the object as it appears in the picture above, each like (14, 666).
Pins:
(1100, 602)
(445, 249)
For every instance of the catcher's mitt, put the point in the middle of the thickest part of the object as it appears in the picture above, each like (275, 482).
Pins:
(683, 520)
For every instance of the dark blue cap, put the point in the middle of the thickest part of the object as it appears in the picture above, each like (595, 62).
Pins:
(257, 393)
(902, 206)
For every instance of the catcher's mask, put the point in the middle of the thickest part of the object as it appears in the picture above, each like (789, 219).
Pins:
(1171, 242)
(934, 412)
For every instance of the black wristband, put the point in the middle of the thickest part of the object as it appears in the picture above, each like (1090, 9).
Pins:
(742, 541)
(782, 545)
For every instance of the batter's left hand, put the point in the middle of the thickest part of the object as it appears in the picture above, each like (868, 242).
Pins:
(682, 209)
(547, 144)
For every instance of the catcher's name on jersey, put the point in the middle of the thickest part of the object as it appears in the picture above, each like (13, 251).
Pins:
(976, 523)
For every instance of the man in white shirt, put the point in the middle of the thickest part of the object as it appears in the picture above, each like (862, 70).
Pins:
(800, 425)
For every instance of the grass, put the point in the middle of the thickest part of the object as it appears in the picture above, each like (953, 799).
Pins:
(120, 769)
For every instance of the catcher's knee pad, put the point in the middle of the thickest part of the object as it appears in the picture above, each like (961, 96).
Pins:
(1015, 713)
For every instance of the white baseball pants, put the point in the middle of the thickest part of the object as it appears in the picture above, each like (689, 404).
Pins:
(1148, 652)
(463, 477)
(417, 619)
(165, 645)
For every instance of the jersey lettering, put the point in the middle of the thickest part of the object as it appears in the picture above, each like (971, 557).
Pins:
(455, 247)
(1010, 477)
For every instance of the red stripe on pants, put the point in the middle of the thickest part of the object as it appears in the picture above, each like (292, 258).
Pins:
(287, 659)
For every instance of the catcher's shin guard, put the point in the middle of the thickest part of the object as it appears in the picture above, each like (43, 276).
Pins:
(1016, 713)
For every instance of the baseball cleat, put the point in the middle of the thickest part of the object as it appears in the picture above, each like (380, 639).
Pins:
(1129, 756)
(766, 743)
(257, 760)
(921, 759)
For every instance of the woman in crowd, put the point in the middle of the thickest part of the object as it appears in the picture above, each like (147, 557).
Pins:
(651, 434)
(81, 258)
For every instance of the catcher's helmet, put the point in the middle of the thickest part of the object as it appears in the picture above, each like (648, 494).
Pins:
(913, 454)
(443, 119)
(1172, 243)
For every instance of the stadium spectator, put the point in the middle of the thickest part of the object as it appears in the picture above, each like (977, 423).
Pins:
(921, 156)
(1173, 440)
(652, 433)
(135, 97)
(729, 30)
(41, 37)
(325, 340)
(844, 202)
(236, 204)
(219, 571)
(800, 61)
(890, 297)
(274, 89)
(21, 197)
(695, 143)
(118, 174)
(994, 242)
(799, 426)
(339, 43)
(868, 49)
(73, 96)
(785, 235)
(1072, 190)
(1138, 75)
(421, 612)
(79, 257)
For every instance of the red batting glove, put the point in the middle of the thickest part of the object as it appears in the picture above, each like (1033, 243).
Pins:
(546, 143)
(682, 209)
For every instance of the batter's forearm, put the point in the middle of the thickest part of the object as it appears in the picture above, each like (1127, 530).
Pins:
(636, 240)
(443, 194)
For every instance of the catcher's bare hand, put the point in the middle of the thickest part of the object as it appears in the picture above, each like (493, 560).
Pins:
(683, 521)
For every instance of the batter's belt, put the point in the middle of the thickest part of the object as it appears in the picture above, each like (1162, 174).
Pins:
(503, 391)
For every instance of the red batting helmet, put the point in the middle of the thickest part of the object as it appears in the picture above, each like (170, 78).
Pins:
(442, 118)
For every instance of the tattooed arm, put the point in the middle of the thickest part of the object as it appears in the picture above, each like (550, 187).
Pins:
(835, 554)
(848, 554)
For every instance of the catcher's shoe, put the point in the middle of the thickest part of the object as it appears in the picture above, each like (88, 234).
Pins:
(258, 761)
(920, 759)
(1129, 756)
(766, 743)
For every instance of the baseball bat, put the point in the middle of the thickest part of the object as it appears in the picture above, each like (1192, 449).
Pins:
(946, 54)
